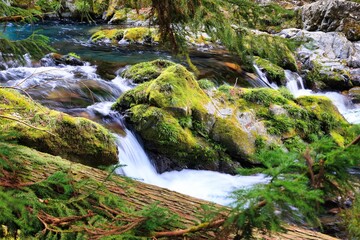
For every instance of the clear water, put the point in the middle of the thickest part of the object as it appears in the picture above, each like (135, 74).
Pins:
(70, 37)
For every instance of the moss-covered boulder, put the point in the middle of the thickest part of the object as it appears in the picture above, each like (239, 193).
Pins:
(76, 139)
(165, 111)
(322, 77)
(146, 71)
(230, 134)
(112, 35)
(273, 72)
(223, 127)
(128, 35)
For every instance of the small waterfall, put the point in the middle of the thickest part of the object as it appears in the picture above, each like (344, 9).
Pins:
(264, 81)
(207, 185)
(295, 85)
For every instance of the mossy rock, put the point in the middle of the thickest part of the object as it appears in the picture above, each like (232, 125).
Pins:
(272, 48)
(352, 29)
(323, 108)
(175, 90)
(146, 71)
(119, 16)
(108, 34)
(237, 142)
(304, 116)
(76, 139)
(163, 134)
(325, 78)
(273, 72)
(131, 35)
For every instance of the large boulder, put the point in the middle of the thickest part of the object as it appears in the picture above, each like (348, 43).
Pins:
(185, 127)
(77, 139)
(333, 15)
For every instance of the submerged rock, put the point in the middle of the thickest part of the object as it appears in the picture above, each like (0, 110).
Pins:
(55, 59)
(77, 139)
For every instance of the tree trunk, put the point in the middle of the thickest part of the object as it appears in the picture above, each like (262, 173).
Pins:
(139, 195)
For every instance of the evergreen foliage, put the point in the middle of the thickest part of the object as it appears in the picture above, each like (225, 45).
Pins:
(61, 208)
(35, 45)
(298, 181)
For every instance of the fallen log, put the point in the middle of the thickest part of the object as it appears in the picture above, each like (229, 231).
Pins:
(37, 166)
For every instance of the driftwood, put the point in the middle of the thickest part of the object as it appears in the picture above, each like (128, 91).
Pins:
(139, 195)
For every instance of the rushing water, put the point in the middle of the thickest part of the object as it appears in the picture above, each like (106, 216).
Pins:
(80, 91)
(296, 86)
(62, 88)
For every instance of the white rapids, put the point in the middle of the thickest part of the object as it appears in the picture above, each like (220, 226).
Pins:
(207, 185)
(296, 86)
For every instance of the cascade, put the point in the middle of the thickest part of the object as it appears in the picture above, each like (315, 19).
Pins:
(207, 185)
(264, 81)
(295, 85)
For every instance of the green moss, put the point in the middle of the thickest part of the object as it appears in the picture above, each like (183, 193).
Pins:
(305, 116)
(120, 16)
(177, 90)
(321, 107)
(322, 77)
(206, 84)
(108, 34)
(272, 48)
(233, 138)
(164, 134)
(146, 71)
(139, 34)
(273, 72)
(77, 139)
(133, 35)
(265, 96)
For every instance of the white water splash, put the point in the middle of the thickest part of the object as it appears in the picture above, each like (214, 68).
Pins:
(29, 76)
(207, 185)
(263, 79)
(296, 86)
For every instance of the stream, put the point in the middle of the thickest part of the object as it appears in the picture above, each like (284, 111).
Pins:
(82, 91)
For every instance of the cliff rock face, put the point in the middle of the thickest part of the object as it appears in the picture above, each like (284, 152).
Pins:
(333, 15)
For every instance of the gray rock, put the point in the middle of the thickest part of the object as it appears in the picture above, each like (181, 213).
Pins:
(333, 15)
(278, 110)
(331, 54)
(354, 94)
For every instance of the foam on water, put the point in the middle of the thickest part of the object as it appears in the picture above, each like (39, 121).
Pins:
(296, 86)
(207, 185)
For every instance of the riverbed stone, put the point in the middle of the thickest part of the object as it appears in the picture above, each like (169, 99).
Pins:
(354, 94)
